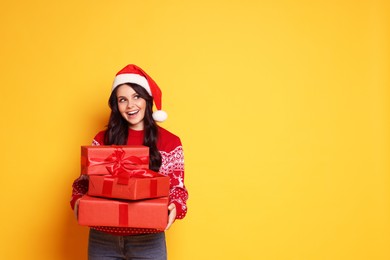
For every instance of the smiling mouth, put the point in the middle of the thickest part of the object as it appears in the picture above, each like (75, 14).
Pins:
(132, 113)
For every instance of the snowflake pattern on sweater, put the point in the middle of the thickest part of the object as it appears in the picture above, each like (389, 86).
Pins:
(171, 150)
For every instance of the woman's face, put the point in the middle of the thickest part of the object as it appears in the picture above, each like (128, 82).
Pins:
(131, 106)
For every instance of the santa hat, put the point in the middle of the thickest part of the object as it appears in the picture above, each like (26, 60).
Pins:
(134, 74)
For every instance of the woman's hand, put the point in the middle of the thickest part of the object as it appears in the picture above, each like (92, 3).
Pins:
(172, 215)
(76, 209)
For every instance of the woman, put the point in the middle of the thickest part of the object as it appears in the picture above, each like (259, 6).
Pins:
(133, 122)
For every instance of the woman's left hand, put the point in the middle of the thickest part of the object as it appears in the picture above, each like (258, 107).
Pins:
(172, 215)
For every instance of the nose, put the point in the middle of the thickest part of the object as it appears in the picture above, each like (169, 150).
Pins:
(130, 104)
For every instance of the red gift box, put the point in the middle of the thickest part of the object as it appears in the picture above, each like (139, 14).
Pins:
(105, 159)
(142, 184)
(151, 213)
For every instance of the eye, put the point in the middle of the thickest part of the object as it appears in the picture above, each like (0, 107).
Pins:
(136, 96)
(121, 99)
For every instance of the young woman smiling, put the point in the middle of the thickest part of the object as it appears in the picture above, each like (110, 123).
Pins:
(133, 122)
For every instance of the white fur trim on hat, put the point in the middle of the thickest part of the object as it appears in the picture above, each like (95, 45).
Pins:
(131, 78)
(160, 115)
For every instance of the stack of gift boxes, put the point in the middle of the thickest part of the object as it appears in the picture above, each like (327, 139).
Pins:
(123, 191)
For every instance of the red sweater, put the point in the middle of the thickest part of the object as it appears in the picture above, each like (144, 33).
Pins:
(171, 150)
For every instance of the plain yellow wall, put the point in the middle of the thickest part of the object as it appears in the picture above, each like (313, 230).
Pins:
(282, 107)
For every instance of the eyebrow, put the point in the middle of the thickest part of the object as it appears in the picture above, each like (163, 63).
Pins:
(132, 95)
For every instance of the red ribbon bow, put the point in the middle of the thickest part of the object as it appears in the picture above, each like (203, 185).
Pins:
(117, 162)
(124, 167)
(120, 163)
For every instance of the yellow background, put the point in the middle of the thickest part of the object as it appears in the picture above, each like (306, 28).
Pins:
(282, 108)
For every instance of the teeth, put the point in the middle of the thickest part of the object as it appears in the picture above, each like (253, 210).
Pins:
(132, 112)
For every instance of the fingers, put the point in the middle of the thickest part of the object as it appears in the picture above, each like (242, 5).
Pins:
(76, 209)
(172, 215)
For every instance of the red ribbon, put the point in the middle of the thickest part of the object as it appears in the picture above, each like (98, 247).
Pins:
(108, 183)
(124, 176)
(153, 188)
(118, 163)
(123, 179)
(123, 215)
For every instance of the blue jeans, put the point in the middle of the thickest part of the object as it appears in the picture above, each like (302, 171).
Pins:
(103, 246)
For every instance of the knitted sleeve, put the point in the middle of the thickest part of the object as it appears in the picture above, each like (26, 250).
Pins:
(79, 188)
(173, 166)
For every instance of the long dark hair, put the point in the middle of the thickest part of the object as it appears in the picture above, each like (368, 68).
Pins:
(118, 128)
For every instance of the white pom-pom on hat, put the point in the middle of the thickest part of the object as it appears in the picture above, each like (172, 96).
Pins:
(160, 116)
(134, 74)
